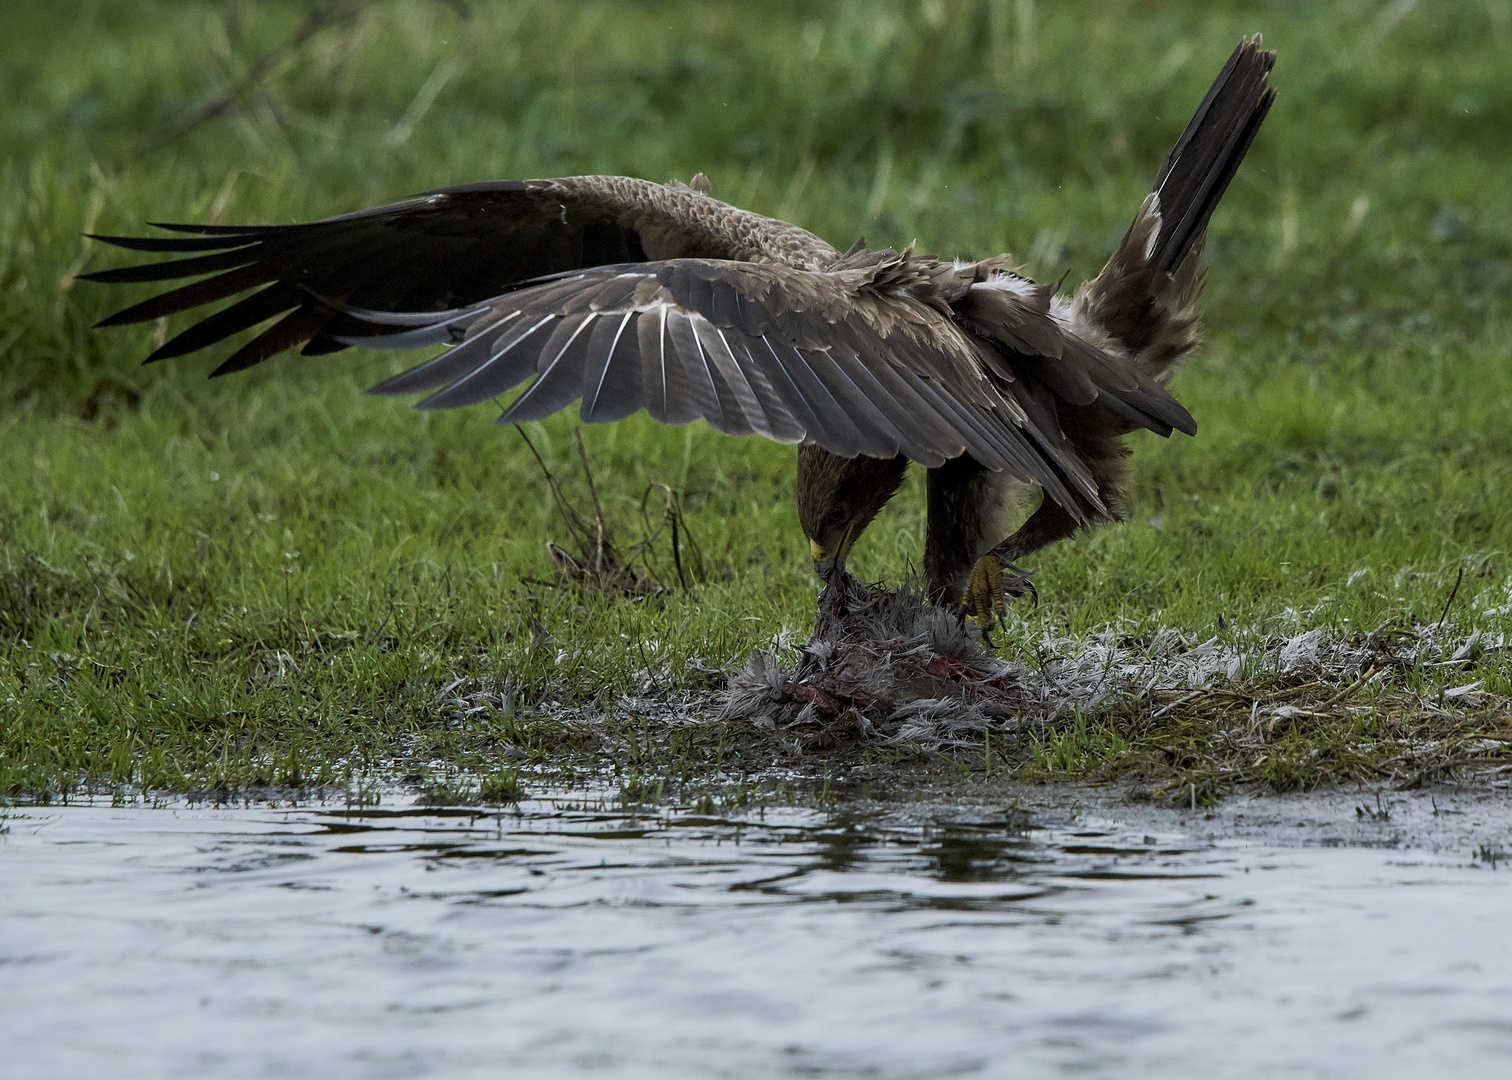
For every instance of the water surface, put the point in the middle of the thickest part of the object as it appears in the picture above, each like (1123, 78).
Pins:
(573, 937)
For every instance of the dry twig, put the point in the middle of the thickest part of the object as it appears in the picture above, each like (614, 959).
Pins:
(600, 562)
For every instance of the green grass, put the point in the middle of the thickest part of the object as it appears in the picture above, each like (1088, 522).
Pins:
(271, 578)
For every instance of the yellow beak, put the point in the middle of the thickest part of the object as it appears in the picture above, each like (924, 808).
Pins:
(827, 562)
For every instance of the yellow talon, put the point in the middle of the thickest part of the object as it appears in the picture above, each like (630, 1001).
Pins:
(984, 592)
(987, 593)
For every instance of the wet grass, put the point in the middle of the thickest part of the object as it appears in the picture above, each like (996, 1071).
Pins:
(274, 580)
(1203, 745)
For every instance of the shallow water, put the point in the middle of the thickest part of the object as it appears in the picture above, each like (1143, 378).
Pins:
(576, 938)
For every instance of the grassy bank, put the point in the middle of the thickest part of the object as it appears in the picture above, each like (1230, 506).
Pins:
(274, 579)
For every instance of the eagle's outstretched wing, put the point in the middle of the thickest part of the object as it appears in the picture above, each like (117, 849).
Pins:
(445, 248)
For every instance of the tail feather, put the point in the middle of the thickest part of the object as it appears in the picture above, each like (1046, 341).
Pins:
(1144, 303)
(1199, 167)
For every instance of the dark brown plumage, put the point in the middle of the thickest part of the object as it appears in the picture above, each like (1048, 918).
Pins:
(625, 294)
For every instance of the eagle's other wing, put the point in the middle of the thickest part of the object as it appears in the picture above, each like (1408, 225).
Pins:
(1033, 346)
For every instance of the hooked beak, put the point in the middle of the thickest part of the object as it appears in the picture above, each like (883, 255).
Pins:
(831, 561)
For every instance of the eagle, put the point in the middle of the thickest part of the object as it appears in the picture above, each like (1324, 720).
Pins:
(622, 294)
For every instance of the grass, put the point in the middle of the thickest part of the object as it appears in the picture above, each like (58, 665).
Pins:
(272, 579)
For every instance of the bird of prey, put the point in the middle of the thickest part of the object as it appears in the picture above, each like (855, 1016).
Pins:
(625, 295)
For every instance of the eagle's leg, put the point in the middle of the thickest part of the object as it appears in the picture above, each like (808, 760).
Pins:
(1045, 526)
(965, 499)
(997, 576)
(1107, 459)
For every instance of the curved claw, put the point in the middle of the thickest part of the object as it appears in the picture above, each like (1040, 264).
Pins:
(991, 584)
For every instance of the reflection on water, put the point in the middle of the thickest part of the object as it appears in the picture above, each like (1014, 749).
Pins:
(573, 937)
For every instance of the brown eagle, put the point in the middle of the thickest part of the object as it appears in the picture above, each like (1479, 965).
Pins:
(625, 295)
